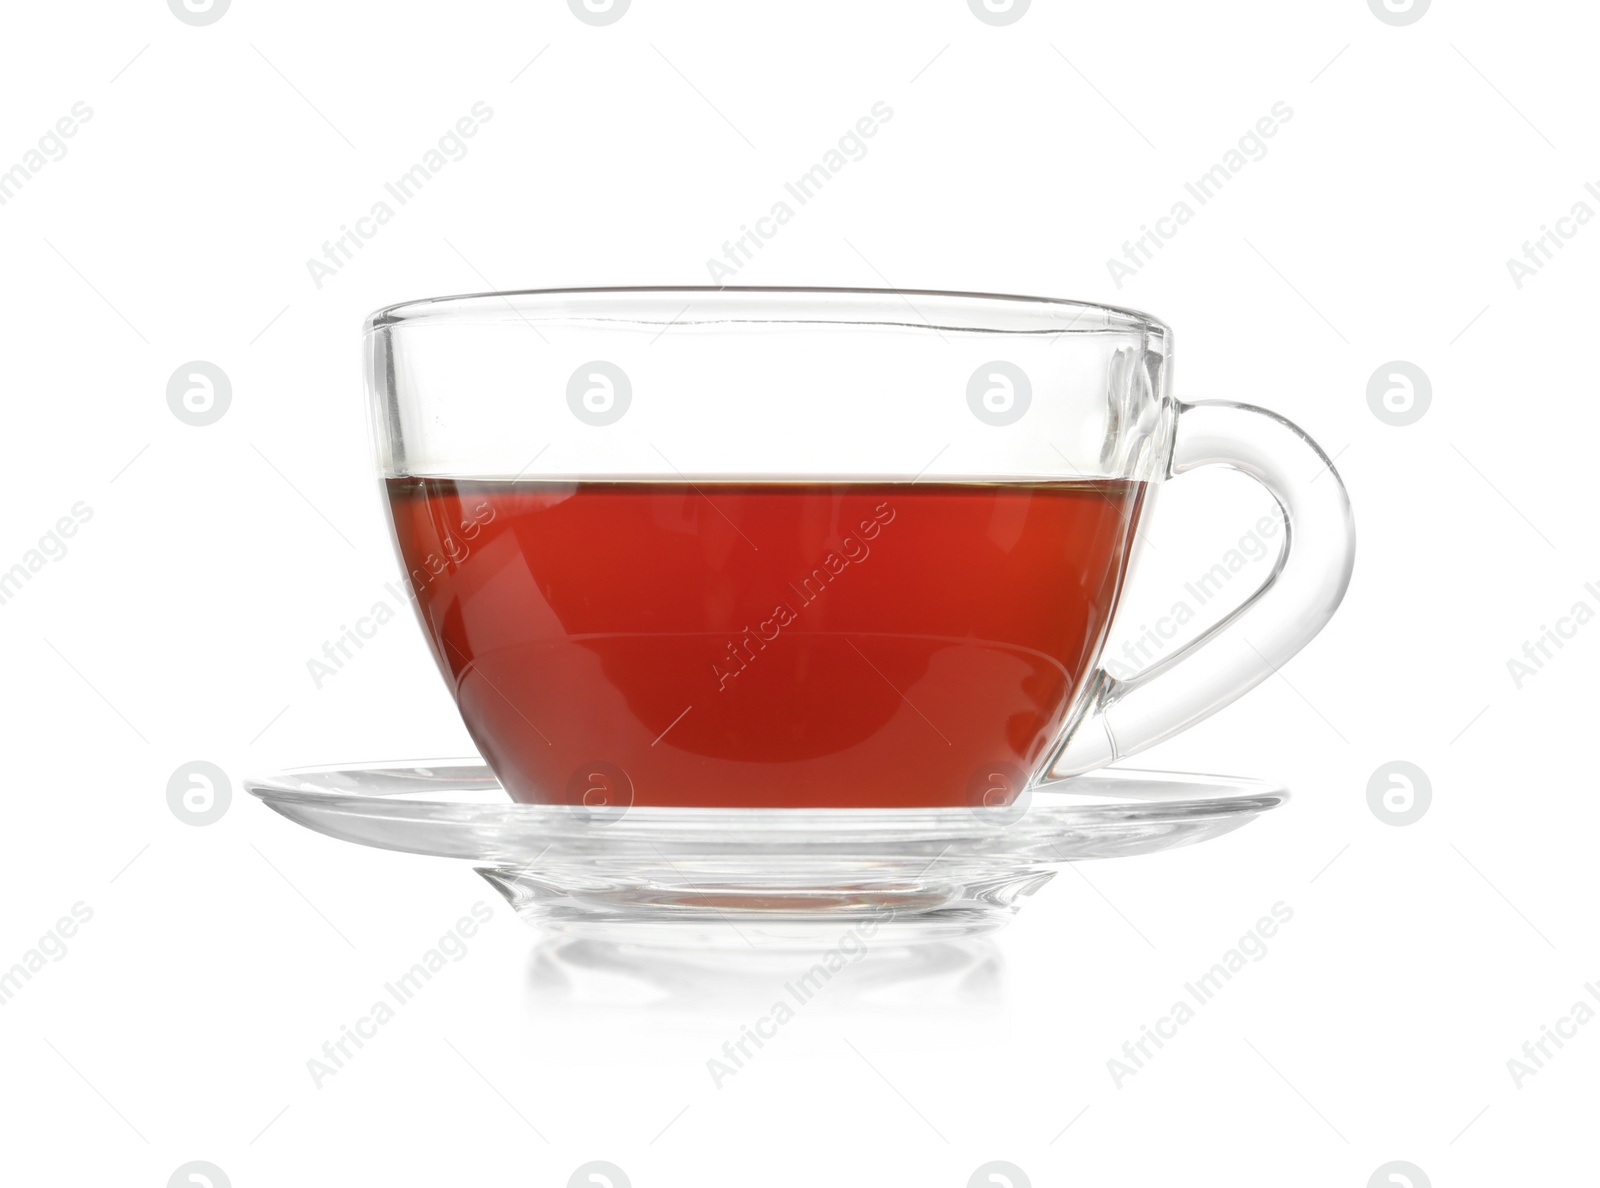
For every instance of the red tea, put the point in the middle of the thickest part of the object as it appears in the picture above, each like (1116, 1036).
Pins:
(763, 644)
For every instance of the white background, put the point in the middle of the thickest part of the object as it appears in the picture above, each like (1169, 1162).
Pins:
(219, 559)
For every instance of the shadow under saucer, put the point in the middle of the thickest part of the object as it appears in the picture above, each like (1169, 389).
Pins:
(859, 974)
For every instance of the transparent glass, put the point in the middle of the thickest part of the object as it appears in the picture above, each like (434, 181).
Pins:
(812, 547)
(762, 876)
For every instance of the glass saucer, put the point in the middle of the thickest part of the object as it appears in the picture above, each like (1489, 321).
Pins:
(758, 876)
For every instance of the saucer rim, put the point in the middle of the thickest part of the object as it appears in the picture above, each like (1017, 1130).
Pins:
(1245, 794)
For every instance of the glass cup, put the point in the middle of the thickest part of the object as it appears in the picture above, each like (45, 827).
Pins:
(812, 547)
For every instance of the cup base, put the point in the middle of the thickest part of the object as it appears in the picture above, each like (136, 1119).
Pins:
(762, 878)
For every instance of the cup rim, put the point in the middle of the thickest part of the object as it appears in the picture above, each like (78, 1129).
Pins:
(958, 310)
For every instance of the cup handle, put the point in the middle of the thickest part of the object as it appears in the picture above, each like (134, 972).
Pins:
(1122, 717)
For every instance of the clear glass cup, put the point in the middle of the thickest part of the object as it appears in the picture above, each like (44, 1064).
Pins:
(606, 501)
